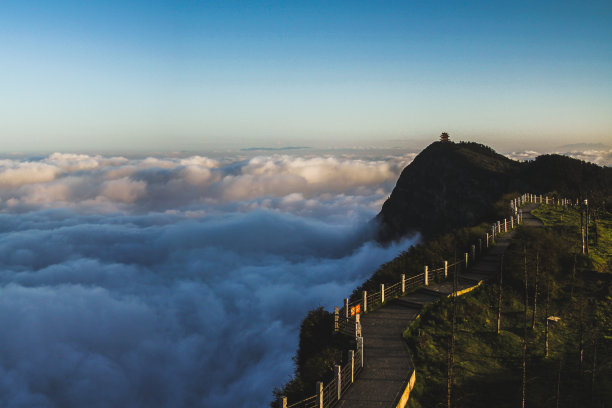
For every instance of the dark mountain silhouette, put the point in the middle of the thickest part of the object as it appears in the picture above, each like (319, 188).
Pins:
(451, 185)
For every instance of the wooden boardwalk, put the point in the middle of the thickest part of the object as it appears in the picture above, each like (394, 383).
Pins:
(388, 365)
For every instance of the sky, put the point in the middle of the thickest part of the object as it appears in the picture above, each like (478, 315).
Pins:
(192, 75)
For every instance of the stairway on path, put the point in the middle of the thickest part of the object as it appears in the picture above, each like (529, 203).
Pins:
(388, 366)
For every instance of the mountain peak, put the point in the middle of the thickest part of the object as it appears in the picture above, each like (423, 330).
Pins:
(451, 185)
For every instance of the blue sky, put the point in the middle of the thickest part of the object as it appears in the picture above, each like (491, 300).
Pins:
(119, 75)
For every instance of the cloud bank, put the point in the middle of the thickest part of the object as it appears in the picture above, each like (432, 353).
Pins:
(174, 281)
(96, 184)
(601, 156)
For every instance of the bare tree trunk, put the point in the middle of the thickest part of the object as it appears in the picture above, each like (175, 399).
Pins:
(524, 372)
(524, 388)
(573, 278)
(587, 229)
(535, 292)
(448, 374)
(582, 228)
(593, 373)
(546, 317)
(581, 334)
(451, 353)
(499, 299)
(559, 383)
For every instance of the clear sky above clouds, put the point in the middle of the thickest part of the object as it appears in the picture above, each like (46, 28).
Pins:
(170, 75)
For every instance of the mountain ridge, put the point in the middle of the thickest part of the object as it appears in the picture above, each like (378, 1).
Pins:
(450, 185)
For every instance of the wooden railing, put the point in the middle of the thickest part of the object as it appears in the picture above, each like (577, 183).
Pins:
(347, 318)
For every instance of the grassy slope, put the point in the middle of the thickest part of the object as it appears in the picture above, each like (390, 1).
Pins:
(488, 366)
(568, 219)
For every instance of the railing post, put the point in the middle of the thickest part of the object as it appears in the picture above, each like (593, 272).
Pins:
(466, 260)
(382, 293)
(487, 239)
(365, 301)
(284, 402)
(360, 350)
(352, 358)
(446, 269)
(336, 319)
(499, 227)
(473, 252)
(512, 222)
(347, 312)
(493, 233)
(505, 225)
(339, 376)
(403, 283)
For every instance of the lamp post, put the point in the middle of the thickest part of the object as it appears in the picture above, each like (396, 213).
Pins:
(586, 230)
(551, 319)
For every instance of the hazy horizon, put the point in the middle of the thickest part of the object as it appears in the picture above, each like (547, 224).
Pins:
(167, 76)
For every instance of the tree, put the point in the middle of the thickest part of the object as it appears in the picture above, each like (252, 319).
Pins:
(535, 292)
(524, 371)
(451, 349)
(499, 299)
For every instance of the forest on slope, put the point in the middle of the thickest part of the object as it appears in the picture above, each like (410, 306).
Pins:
(554, 297)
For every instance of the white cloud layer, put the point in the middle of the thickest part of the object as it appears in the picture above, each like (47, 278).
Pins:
(602, 157)
(174, 282)
(94, 184)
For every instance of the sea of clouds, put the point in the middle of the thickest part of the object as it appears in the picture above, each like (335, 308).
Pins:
(176, 280)
(601, 156)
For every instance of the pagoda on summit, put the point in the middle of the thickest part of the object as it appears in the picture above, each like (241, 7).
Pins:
(444, 137)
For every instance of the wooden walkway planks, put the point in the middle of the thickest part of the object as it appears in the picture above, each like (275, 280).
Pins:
(388, 365)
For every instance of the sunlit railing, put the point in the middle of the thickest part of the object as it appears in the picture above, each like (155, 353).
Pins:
(347, 317)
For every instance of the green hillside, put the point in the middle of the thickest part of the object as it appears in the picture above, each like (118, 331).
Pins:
(488, 366)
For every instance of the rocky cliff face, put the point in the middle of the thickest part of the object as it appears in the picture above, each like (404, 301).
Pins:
(451, 185)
